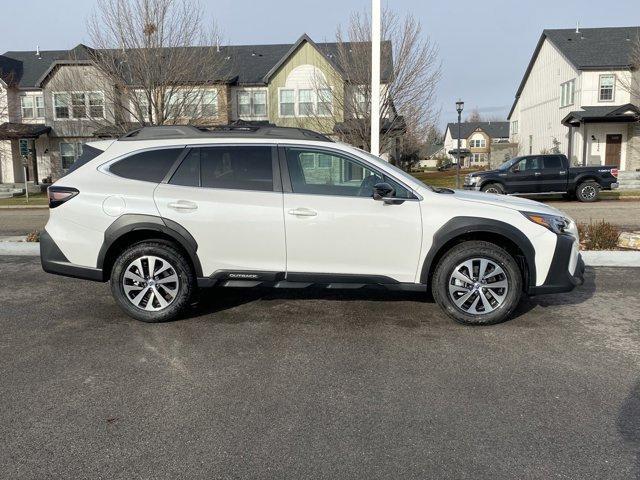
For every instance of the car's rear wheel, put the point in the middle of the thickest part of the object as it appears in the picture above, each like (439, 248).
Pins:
(588, 191)
(477, 283)
(493, 188)
(152, 281)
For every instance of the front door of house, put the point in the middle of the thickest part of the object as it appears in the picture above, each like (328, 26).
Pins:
(614, 148)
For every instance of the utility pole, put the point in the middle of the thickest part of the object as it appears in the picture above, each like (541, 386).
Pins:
(375, 77)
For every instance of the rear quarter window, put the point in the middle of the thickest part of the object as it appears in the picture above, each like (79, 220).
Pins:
(149, 166)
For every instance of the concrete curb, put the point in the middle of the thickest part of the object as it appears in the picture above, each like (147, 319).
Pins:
(602, 258)
(29, 249)
(23, 207)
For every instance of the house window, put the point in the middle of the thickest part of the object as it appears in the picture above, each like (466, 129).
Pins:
(78, 105)
(140, 108)
(479, 143)
(567, 93)
(252, 103)
(287, 103)
(360, 100)
(514, 127)
(305, 102)
(39, 106)
(26, 102)
(209, 103)
(324, 102)
(607, 85)
(69, 153)
(61, 105)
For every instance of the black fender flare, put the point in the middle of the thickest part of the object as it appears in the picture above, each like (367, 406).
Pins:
(135, 222)
(487, 181)
(460, 226)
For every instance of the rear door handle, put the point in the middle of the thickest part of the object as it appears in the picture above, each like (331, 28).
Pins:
(537, 174)
(562, 173)
(302, 212)
(183, 206)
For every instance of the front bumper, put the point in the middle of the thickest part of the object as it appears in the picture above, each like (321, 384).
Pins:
(472, 186)
(54, 261)
(559, 278)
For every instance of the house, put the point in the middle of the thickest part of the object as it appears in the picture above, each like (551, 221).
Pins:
(579, 97)
(52, 102)
(429, 155)
(478, 138)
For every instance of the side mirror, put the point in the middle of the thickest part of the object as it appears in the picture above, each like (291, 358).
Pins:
(383, 192)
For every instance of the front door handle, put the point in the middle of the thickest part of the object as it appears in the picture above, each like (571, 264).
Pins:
(562, 173)
(183, 206)
(303, 212)
(537, 174)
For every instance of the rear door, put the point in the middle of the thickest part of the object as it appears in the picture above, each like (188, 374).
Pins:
(335, 227)
(229, 198)
(554, 174)
(523, 177)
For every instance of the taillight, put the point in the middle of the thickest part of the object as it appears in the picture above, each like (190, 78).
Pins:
(59, 195)
(614, 172)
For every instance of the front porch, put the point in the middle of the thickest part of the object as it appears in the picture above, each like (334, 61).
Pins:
(23, 144)
(605, 136)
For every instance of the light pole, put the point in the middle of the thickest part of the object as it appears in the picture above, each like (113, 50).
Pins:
(375, 77)
(459, 108)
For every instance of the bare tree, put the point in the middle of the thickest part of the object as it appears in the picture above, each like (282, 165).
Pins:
(474, 116)
(410, 74)
(161, 59)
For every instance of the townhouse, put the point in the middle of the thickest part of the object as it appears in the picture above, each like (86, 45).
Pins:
(45, 118)
(579, 96)
(480, 138)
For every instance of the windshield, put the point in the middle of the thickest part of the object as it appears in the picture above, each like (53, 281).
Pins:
(509, 163)
(398, 171)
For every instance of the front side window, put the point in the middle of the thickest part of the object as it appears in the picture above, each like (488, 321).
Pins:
(149, 166)
(324, 173)
(607, 86)
(287, 103)
(528, 163)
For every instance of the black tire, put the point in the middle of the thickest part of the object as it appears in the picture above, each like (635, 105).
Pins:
(493, 188)
(588, 191)
(185, 285)
(442, 278)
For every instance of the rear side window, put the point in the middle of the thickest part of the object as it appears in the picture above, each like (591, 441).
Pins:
(240, 168)
(149, 166)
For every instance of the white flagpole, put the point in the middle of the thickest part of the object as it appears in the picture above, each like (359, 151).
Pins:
(375, 77)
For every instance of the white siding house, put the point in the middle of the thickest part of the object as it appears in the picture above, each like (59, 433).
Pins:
(576, 98)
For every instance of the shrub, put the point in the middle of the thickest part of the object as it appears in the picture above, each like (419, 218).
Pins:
(598, 236)
(33, 236)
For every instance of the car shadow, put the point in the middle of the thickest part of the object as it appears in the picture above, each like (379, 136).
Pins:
(628, 423)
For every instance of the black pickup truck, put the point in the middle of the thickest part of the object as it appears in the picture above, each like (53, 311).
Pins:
(545, 174)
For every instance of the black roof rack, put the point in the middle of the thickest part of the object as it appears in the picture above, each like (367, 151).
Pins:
(162, 132)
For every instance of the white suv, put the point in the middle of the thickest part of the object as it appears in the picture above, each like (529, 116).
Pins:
(164, 210)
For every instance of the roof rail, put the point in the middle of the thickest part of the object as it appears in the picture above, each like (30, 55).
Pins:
(162, 132)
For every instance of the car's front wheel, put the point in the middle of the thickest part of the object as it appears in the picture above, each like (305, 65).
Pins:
(152, 281)
(477, 283)
(493, 188)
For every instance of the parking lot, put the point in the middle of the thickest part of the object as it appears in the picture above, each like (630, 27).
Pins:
(276, 384)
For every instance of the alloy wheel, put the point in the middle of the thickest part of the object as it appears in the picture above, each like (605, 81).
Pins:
(478, 286)
(588, 192)
(150, 283)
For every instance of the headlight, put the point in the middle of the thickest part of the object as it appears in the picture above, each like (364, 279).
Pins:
(554, 223)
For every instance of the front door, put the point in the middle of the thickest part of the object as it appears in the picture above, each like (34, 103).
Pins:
(334, 226)
(524, 176)
(230, 202)
(614, 149)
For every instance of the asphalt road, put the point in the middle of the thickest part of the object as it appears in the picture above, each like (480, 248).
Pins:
(275, 384)
(625, 214)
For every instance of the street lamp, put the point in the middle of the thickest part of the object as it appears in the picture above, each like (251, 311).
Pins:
(459, 108)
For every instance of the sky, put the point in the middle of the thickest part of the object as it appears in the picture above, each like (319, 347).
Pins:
(484, 46)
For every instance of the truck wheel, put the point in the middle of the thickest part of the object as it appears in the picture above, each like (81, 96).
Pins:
(152, 281)
(493, 188)
(477, 283)
(588, 191)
